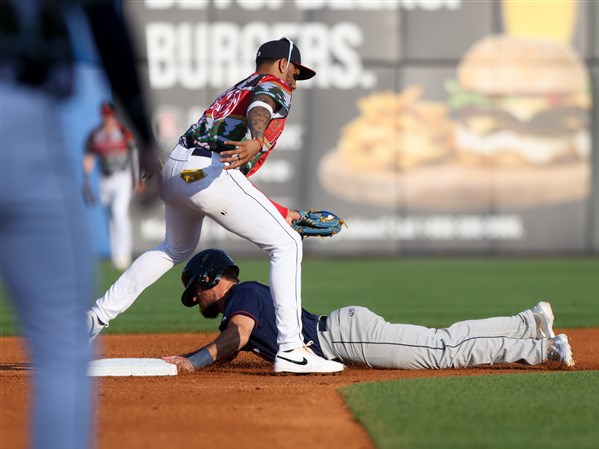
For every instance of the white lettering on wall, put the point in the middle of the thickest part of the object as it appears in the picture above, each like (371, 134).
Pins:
(160, 40)
(429, 228)
(201, 55)
(436, 228)
(336, 5)
(196, 55)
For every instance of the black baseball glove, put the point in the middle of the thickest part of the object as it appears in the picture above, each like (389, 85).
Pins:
(88, 194)
(317, 223)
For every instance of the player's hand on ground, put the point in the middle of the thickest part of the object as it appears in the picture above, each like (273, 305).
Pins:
(184, 366)
(243, 153)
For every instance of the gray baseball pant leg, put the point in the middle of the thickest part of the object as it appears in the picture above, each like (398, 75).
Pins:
(357, 335)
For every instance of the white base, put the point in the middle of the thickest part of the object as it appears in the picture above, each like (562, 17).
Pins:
(131, 367)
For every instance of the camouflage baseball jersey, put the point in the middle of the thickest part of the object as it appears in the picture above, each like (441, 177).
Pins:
(115, 149)
(226, 118)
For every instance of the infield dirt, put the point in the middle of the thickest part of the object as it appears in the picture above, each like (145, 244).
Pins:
(238, 405)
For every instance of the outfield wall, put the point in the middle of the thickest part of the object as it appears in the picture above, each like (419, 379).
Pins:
(391, 134)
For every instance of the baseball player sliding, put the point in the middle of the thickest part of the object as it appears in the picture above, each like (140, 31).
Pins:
(355, 334)
(206, 176)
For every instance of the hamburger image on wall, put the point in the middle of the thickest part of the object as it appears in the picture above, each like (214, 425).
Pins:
(521, 102)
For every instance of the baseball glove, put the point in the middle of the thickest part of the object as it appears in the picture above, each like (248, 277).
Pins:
(88, 194)
(317, 223)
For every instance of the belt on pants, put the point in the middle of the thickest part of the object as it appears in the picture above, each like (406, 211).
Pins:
(322, 327)
(199, 151)
(322, 323)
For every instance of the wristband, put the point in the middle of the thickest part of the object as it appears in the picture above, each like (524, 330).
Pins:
(261, 142)
(201, 358)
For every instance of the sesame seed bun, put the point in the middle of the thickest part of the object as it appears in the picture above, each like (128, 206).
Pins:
(502, 64)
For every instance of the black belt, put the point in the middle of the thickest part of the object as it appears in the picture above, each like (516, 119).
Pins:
(199, 151)
(322, 323)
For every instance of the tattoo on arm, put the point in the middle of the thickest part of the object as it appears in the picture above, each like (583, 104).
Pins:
(259, 117)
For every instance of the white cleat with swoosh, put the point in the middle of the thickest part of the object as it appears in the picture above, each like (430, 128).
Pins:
(304, 361)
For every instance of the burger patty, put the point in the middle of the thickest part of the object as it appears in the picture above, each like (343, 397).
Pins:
(549, 122)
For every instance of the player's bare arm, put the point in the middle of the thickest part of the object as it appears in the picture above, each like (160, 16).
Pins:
(258, 120)
(259, 116)
(233, 338)
(89, 162)
(226, 345)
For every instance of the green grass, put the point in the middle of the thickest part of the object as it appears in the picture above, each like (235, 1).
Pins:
(440, 292)
(536, 410)
(556, 410)
(434, 292)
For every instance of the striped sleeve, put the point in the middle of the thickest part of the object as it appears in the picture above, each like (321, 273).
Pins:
(278, 91)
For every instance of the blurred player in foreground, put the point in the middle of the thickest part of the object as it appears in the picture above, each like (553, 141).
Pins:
(113, 146)
(45, 255)
(354, 334)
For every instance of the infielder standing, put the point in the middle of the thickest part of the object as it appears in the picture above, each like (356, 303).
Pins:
(355, 334)
(113, 146)
(205, 176)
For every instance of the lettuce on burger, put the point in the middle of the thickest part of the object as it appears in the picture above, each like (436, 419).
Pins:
(521, 102)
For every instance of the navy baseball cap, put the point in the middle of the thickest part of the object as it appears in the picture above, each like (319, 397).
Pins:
(280, 50)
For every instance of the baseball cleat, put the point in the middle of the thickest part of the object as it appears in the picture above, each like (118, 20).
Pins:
(95, 326)
(544, 318)
(559, 350)
(304, 361)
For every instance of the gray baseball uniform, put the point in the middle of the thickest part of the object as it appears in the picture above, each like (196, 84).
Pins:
(356, 335)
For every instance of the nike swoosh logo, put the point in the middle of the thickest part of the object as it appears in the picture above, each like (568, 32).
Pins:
(304, 361)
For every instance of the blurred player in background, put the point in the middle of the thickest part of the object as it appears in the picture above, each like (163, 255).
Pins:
(206, 176)
(354, 334)
(45, 255)
(113, 146)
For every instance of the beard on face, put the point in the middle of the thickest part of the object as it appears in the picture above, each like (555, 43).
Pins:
(210, 312)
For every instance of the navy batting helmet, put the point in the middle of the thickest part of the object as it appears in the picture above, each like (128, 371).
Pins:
(204, 270)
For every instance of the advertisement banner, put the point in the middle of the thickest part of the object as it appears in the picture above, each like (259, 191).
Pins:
(432, 126)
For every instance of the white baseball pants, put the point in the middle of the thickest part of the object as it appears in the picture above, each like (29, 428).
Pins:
(228, 198)
(115, 196)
